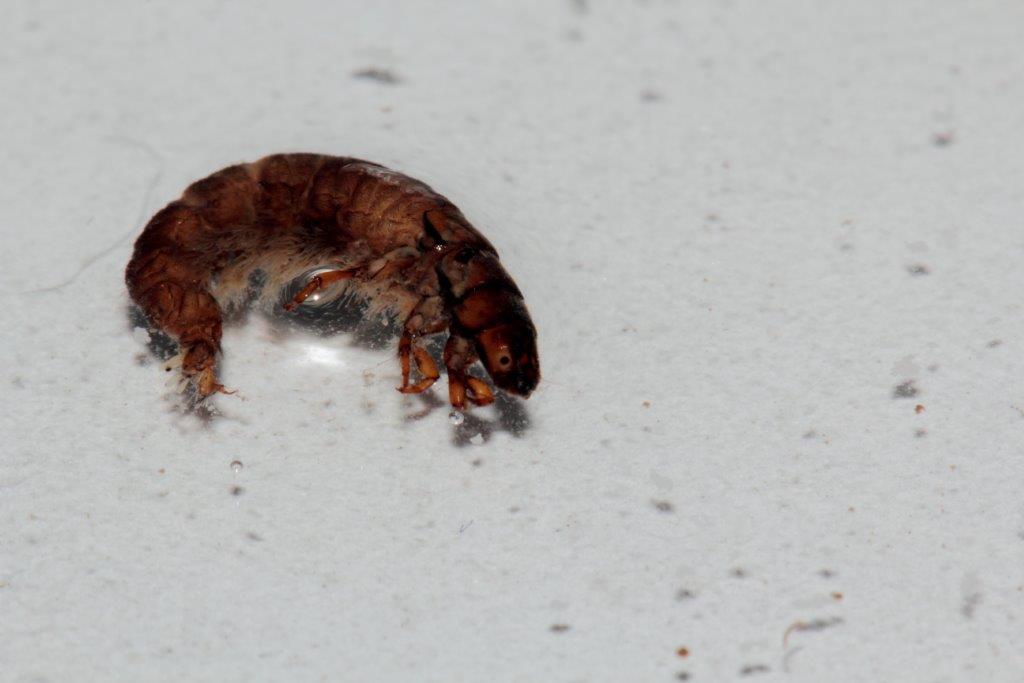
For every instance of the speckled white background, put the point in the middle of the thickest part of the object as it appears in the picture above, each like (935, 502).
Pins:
(740, 227)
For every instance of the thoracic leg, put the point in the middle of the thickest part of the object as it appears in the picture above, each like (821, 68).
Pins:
(427, 367)
(317, 282)
(459, 355)
(425, 318)
(479, 392)
(383, 267)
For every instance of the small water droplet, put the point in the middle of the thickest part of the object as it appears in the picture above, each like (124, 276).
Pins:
(456, 417)
(236, 465)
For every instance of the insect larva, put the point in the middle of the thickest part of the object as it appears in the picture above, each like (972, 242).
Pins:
(359, 228)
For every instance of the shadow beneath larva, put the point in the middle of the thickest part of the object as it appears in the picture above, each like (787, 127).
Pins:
(342, 315)
(512, 417)
(469, 427)
(348, 315)
(345, 315)
(163, 348)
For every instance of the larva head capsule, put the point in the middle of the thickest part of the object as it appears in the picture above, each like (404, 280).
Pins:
(504, 337)
(490, 310)
(509, 353)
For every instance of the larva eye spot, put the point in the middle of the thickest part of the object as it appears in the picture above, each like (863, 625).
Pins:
(509, 354)
(465, 255)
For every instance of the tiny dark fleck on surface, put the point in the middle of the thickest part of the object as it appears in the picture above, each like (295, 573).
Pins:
(751, 669)
(560, 628)
(237, 490)
(920, 433)
(994, 343)
(971, 603)
(943, 139)
(685, 594)
(514, 509)
(810, 434)
(253, 536)
(739, 573)
(662, 505)
(477, 462)
(580, 6)
(826, 573)
(907, 389)
(650, 95)
(683, 676)
(384, 76)
(917, 269)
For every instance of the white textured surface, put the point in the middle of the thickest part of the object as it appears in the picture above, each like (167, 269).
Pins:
(711, 207)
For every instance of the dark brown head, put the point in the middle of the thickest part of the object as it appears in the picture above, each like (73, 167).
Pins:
(489, 309)
(509, 353)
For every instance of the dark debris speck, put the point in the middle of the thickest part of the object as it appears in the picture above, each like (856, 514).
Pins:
(684, 594)
(662, 505)
(385, 76)
(237, 490)
(751, 669)
(650, 95)
(559, 628)
(970, 604)
(917, 269)
(906, 389)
